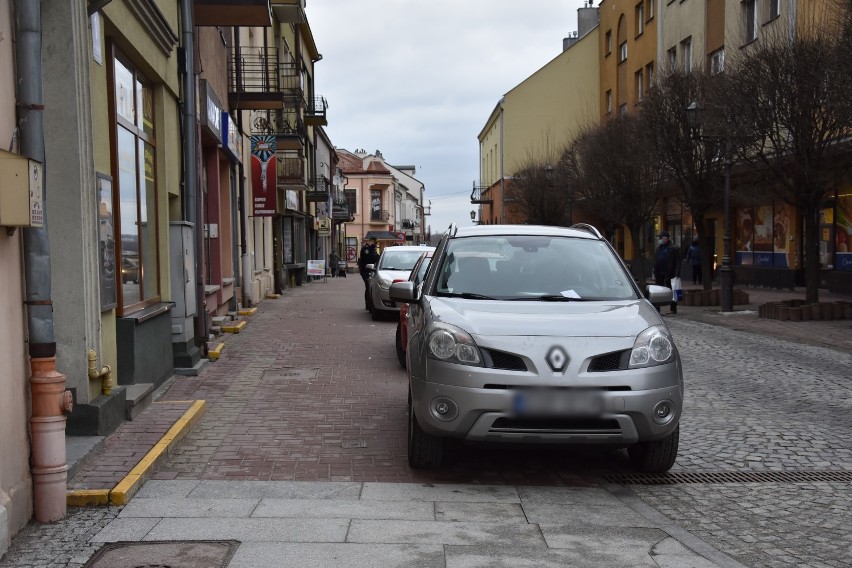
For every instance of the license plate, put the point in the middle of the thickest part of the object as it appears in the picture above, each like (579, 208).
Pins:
(557, 402)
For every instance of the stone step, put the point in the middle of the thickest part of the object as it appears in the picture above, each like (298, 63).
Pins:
(139, 397)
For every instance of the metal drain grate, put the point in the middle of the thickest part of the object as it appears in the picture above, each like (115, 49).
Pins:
(729, 477)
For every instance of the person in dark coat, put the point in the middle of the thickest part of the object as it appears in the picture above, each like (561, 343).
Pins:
(666, 265)
(368, 255)
(693, 257)
(334, 264)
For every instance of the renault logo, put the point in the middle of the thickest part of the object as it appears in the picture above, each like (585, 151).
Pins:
(557, 359)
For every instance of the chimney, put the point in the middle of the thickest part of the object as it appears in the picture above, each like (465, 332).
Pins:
(587, 19)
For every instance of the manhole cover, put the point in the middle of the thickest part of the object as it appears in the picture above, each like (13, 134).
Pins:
(170, 554)
(354, 444)
(730, 477)
(290, 375)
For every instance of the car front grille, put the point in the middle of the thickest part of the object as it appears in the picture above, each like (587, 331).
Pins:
(555, 426)
(505, 361)
(615, 361)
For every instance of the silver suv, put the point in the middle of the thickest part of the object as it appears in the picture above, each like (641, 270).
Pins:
(395, 264)
(538, 335)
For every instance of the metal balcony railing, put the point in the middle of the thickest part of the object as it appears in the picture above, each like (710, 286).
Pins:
(318, 189)
(290, 168)
(254, 78)
(277, 123)
(315, 111)
(476, 196)
(379, 216)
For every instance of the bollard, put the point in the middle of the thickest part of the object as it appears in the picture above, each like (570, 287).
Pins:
(714, 297)
(783, 313)
(796, 314)
(806, 312)
(836, 310)
(50, 403)
(826, 311)
(816, 312)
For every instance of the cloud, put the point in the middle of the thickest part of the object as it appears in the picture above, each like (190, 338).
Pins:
(418, 80)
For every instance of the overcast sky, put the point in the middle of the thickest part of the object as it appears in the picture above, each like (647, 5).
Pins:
(417, 79)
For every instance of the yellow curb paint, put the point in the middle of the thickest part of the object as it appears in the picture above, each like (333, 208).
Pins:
(247, 312)
(216, 351)
(127, 487)
(234, 328)
(87, 497)
(273, 296)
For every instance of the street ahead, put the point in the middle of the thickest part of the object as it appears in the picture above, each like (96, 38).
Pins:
(311, 391)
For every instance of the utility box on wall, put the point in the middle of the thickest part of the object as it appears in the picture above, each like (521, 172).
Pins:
(20, 191)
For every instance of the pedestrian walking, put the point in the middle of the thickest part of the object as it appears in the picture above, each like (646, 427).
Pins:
(334, 264)
(666, 265)
(693, 257)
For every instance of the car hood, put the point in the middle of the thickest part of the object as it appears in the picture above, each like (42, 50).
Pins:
(625, 318)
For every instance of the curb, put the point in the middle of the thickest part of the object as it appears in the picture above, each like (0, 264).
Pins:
(127, 487)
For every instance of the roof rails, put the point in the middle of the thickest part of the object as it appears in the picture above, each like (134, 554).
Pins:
(588, 228)
(452, 229)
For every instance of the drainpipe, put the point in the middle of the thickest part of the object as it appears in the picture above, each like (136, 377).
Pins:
(50, 400)
(190, 161)
(244, 256)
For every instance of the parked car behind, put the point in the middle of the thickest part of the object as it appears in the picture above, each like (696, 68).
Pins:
(538, 335)
(417, 276)
(395, 264)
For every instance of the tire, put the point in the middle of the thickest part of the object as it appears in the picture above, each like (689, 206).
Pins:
(400, 352)
(424, 450)
(655, 457)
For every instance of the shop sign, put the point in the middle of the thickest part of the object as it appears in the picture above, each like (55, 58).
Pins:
(264, 189)
(316, 268)
(232, 138)
(292, 200)
(324, 227)
(211, 114)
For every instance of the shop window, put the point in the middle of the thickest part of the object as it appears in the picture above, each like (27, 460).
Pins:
(375, 205)
(136, 188)
(843, 233)
(764, 236)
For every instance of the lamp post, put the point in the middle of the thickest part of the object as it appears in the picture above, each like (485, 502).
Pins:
(695, 119)
(473, 217)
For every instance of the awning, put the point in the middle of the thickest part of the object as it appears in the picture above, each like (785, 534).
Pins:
(385, 236)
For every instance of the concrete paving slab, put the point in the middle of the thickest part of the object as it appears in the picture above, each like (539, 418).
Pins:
(166, 488)
(491, 556)
(125, 529)
(479, 512)
(444, 492)
(345, 509)
(433, 532)
(280, 489)
(251, 530)
(672, 554)
(274, 555)
(571, 513)
(187, 508)
(568, 495)
(611, 546)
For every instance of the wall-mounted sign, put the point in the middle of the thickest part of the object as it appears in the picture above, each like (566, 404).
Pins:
(264, 189)
(324, 227)
(292, 200)
(232, 138)
(210, 114)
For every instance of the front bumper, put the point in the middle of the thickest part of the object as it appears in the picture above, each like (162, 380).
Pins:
(382, 301)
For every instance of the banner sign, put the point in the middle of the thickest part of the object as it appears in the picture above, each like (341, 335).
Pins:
(316, 268)
(264, 188)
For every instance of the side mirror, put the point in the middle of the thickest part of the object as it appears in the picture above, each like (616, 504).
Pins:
(370, 266)
(658, 295)
(406, 292)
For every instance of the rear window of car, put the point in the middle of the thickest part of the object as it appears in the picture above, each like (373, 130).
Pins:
(526, 266)
(398, 260)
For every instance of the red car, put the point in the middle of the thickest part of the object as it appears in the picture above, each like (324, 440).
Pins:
(418, 273)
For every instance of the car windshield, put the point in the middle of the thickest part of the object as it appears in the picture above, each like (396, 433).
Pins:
(398, 260)
(527, 267)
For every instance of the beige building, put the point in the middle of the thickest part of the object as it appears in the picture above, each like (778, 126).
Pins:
(539, 117)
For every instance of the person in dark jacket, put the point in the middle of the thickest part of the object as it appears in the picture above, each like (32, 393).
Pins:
(368, 255)
(693, 257)
(666, 265)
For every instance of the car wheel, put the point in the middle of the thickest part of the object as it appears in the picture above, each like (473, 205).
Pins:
(400, 352)
(424, 450)
(655, 457)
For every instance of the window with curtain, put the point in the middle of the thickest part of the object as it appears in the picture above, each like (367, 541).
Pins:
(136, 188)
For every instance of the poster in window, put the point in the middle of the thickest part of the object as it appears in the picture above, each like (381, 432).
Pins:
(843, 233)
(783, 243)
(745, 235)
(763, 235)
(106, 243)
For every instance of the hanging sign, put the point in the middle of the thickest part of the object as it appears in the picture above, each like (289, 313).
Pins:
(264, 189)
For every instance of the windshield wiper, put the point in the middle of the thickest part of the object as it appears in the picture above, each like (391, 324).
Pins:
(466, 296)
(547, 298)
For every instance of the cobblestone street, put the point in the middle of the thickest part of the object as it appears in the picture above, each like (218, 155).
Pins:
(311, 391)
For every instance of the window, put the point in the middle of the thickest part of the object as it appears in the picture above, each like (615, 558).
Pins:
(376, 205)
(136, 213)
(608, 43)
(351, 200)
(640, 18)
(671, 58)
(774, 9)
(717, 61)
(649, 11)
(622, 52)
(750, 19)
(649, 74)
(639, 85)
(686, 54)
(608, 102)
(622, 110)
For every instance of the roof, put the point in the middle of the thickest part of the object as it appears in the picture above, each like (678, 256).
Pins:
(384, 236)
(579, 230)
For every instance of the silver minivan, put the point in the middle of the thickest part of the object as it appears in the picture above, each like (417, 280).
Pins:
(539, 335)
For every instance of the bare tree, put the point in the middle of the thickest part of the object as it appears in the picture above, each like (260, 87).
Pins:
(788, 99)
(541, 192)
(690, 161)
(619, 181)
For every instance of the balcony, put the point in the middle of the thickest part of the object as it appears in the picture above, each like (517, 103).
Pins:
(285, 125)
(476, 196)
(318, 190)
(231, 13)
(379, 216)
(291, 85)
(315, 112)
(289, 11)
(254, 79)
(290, 170)
(409, 224)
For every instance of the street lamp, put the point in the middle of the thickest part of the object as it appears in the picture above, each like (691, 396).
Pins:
(695, 121)
(473, 217)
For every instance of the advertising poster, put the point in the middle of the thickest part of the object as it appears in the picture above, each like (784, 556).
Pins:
(783, 231)
(745, 235)
(843, 232)
(316, 268)
(264, 189)
(762, 242)
(106, 243)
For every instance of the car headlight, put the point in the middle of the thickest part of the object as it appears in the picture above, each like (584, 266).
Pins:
(449, 343)
(384, 284)
(654, 346)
